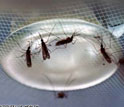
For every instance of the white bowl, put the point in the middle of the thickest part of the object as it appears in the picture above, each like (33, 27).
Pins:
(79, 65)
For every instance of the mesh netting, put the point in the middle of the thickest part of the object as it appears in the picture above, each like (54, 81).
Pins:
(109, 14)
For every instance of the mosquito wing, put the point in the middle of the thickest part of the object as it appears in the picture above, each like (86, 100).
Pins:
(45, 52)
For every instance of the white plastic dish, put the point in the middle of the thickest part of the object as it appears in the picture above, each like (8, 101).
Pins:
(76, 66)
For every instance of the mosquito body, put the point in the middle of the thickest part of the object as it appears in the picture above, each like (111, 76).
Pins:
(27, 54)
(66, 40)
(28, 57)
(105, 54)
(45, 52)
(61, 95)
(103, 50)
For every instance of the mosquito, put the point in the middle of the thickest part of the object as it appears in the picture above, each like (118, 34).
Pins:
(66, 40)
(28, 56)
(27, 53)
(63, 94)
(60, 94)
(45, 50)
(103, 51)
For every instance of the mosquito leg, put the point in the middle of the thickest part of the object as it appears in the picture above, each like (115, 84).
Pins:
(62, 28)
(37, 47)
(50, 33)
(18, 44)
(74, 42)
(49, 50)
(57, 38)
(110, 42)
(20, 56)
(116, 52)
(52, 41)
(114, 60)
(21, 51)
(93, 45)
(56, 49)
(65, 45)
(50, 82)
